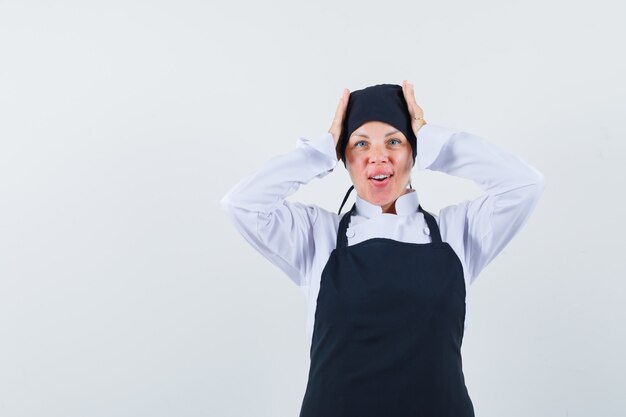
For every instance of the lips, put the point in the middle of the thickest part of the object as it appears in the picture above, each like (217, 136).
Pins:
(378, 174)
(380, 182)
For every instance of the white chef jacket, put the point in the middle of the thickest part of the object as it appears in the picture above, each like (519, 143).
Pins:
(298, 238)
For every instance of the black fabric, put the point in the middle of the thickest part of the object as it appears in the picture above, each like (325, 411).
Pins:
(388, 330)
(381, 102)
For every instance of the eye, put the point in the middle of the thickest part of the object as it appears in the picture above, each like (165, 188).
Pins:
(392, 140)
(356, 145)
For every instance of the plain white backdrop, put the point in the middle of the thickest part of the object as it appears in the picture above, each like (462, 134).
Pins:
(124, 290)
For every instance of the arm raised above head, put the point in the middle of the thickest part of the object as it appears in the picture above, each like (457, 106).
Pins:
(512, 189)
(280, 230)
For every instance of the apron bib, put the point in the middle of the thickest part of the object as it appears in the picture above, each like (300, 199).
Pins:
(388, 331)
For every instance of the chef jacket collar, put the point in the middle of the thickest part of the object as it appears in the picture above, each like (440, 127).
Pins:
(405, 204)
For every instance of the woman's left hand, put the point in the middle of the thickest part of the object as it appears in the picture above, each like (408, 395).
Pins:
(414, 109)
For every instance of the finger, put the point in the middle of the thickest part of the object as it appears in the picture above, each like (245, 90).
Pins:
(337, 115)
(338, 111)
(411, 94)
(341, 108)
(407, 90)
(416, 109)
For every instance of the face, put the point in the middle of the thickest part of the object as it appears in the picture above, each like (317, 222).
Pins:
(374, 149)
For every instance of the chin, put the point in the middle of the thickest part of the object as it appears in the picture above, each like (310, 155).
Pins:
(383, 200)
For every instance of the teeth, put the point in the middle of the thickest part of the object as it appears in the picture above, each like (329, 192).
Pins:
(380, 177)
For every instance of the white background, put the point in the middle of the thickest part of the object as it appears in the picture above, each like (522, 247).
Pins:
(124, 291)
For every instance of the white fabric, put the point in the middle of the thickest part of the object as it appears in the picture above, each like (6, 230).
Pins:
(299, 238)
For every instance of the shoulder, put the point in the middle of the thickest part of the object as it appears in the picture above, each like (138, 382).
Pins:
(326, 219)
(452, 218)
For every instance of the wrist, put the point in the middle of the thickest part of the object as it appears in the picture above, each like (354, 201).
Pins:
(418, 124)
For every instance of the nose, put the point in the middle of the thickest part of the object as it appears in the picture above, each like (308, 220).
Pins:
(379, 154)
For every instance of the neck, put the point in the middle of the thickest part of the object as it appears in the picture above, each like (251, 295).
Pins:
(390, 208)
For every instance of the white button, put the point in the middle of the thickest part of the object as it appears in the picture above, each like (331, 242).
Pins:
(350, 233)
(426, 231)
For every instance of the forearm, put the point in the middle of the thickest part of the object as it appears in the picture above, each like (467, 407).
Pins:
(469, 156)
(281, 176)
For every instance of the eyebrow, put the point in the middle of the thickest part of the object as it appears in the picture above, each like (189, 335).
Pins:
(365, 136)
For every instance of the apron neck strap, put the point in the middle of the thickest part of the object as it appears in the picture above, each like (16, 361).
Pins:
(435, 235)
(345, 198)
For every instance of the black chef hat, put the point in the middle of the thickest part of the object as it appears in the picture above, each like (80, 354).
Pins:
(381, 102)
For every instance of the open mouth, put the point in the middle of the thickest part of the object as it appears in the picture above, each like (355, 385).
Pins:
(381, 179)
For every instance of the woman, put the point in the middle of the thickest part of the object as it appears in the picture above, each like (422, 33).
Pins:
(386, 283)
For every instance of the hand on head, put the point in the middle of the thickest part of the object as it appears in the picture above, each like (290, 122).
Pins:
(416, 112)
(335, 127)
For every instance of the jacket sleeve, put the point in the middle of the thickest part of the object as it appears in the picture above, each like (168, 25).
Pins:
(282, 231)
(512, 188)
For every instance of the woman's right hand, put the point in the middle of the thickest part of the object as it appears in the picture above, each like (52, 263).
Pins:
(335, 127)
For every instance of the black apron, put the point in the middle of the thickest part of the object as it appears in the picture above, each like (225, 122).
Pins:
(388, 330)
